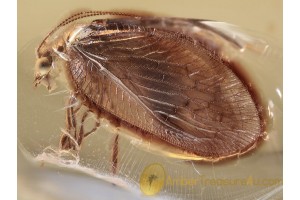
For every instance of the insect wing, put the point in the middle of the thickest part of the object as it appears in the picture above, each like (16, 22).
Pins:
(199, 101)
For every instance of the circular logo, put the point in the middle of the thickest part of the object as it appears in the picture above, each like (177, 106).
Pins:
(152, 179)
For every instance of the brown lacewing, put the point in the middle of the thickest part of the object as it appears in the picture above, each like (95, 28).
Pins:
(162, 78)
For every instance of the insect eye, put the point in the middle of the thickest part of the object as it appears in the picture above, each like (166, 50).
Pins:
(45, 65)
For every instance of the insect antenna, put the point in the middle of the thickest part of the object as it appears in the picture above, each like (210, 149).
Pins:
(77, 16)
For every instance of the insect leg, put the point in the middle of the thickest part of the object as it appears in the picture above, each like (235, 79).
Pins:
(69, 135)
(97, 124)
(82, 133)
(115, 154)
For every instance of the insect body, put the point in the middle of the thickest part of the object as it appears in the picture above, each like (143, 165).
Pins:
(160, 81)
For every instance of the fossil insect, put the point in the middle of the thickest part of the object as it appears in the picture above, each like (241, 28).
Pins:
(158, 77)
